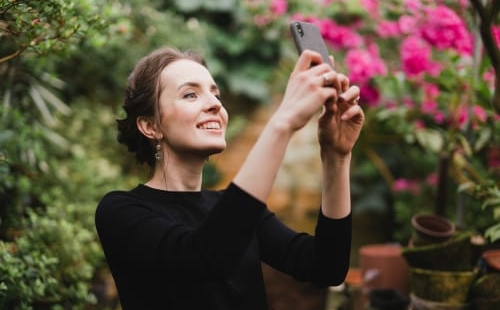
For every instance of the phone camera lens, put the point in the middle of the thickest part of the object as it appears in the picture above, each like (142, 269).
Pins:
(299, 29)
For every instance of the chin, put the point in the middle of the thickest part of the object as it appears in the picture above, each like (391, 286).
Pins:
(218, 150)
(213, 149)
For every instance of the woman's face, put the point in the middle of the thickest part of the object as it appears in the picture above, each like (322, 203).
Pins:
(193, 120)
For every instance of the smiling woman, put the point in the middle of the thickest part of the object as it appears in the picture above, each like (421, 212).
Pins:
(171, 244)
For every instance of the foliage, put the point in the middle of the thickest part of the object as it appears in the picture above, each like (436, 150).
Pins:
(49, 249)
(63, 66)
(52, 262)
(25, 276)
(52, 175)
(427, 87)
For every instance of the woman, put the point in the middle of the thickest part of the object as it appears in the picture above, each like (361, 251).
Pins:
(171, 245)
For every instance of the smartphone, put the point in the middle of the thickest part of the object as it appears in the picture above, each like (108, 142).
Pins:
(307, 36)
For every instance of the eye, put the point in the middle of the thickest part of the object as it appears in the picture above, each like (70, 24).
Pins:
(219, 97)
(190, 95)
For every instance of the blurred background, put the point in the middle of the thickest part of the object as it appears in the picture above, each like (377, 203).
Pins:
(429, 77)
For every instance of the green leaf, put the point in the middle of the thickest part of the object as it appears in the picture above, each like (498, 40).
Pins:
(430, 139)
(466, 186)
(493, 233)
(189, 5)
(485, 136)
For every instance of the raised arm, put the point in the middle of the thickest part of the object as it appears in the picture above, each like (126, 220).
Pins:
(339, 127)
(304, 96)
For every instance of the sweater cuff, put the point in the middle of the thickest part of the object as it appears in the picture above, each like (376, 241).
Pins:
(326, 225)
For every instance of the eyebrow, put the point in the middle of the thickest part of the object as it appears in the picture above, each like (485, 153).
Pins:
(213, 87)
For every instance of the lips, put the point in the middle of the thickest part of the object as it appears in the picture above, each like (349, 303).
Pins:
(210, 125)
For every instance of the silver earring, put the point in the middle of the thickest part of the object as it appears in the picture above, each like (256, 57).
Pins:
(158, 151)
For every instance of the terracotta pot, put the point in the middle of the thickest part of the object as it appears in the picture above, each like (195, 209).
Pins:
(429, 228)
(492, 259)
(383, 267)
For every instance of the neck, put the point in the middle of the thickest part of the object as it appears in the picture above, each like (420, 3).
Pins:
(177, 175)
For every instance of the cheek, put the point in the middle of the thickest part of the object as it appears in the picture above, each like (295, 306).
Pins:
(175, 121)
(225, 116)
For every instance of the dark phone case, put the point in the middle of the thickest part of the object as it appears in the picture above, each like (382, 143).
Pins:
(307, 36)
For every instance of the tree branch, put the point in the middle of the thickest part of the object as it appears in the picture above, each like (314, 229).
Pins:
(487, 14)
(11, 56)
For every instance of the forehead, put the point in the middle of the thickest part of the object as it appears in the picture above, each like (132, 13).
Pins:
(185, 71)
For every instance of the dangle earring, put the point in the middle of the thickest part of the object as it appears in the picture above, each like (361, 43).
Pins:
(158, 154)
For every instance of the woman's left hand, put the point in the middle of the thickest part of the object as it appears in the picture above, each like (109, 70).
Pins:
(341, 121)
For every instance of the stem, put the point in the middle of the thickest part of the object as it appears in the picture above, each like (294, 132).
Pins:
(487, 14)
(11, 56)
(441, 194)
(380, 165)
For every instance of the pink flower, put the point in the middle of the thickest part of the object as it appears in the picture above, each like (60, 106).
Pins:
(407, 24)
(431, 90)
(387, 29)
(429, 107)
(419, 124)
(444, 29)
(408, 103)
(413, 5)
(432, 179)
(416, 57)
(400, 185)
(279, 7)
(364, 64)
(495, 31)
(369, 95)
(339, 36)
(489, 78)
(494, 158)
(405, 185)
(439, 117)
(475, 114)
(372, 7)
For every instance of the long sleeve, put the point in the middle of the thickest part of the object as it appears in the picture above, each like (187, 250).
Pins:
(322, 259)
(175, 237)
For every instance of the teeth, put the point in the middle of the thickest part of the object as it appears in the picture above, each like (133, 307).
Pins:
(210, 125)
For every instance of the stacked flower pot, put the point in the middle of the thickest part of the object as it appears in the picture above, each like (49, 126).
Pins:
(440, 264)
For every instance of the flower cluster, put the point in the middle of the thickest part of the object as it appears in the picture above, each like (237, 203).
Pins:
(421, 75)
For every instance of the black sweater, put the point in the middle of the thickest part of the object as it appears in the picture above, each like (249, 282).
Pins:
(203, 250)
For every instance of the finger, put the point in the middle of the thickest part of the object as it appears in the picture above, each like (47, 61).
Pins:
(306, 59)
(344, 82)
(332, 61)
(353, 111)
(331, 79)
(350, 95)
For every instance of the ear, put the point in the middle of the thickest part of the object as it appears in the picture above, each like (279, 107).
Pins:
(148, 128)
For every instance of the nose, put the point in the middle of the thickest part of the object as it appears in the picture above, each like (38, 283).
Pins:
(213, 104)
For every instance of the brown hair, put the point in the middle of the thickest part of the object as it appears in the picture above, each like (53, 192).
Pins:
(142, 97)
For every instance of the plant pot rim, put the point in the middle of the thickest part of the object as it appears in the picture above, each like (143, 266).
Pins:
(446, 227)
(440, 305)
(443, 272)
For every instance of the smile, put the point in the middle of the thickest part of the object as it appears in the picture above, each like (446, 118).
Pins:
(210, 125)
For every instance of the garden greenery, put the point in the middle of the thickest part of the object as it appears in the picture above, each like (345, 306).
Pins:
(427, 90)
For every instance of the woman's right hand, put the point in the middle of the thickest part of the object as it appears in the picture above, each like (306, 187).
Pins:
(308, 88)
(305, 94)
